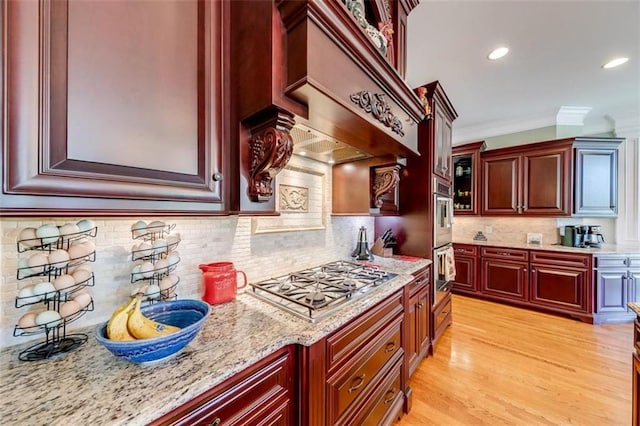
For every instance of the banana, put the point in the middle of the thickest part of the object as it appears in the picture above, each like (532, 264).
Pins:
(142, 327)
(117, 325)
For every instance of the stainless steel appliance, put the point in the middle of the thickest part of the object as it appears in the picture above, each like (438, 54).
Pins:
(574, 235)
(317, 292)
(593, 237)
(442, 238)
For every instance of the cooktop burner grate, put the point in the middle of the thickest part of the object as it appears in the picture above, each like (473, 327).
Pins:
(316, 292)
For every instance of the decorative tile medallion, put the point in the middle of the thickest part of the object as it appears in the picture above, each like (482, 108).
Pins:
(293, 198)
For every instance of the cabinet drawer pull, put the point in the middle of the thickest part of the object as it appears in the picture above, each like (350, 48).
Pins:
(391, 397)
(391, 346)
(360, 380)
(215, 422)
(420, 305)
(217, 177)
(504, 253)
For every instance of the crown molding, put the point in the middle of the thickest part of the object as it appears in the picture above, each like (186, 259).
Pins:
(572, 115)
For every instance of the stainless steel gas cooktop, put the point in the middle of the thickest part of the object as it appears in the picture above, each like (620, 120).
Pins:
(317, 292)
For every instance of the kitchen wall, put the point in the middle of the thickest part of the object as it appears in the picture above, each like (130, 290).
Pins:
(240, 239)
(514, 229)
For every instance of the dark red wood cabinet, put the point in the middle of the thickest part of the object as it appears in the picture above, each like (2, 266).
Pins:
(562, 281)
(262, 394)
(505, 273)
(534, 180)
(466, 178)
(114, 106)
(355, 374)
(418, 323)
(466, 261)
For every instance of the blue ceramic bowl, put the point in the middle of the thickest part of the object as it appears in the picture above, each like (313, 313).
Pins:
(189, 315)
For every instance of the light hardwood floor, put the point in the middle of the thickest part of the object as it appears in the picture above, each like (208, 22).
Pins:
(498, 364)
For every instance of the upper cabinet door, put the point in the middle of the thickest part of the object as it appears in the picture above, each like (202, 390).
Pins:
(596, 177)
(113, 106)
(442, 147)
(500, 185)
(547, 182)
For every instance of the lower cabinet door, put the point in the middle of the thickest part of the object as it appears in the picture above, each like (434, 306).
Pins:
(505, 279)
(563, 288)
(611, 292)
(465, 281)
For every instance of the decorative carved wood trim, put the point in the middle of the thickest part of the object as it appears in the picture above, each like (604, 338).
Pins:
(386, 179)
(422, 94)
(379, 108)
(271, 148)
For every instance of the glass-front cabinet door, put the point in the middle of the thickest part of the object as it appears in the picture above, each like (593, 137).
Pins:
(466, 175)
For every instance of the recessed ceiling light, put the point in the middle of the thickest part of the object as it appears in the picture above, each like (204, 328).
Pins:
(331, 161)
(302, 153)
(498, 53)
(615, 62)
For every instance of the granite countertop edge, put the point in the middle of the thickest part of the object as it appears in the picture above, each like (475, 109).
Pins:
(605, 249)
(91, 386)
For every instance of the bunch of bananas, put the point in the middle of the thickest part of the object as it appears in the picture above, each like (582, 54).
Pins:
(128, 323)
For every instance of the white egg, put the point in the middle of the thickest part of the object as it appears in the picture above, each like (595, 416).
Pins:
(139, 228)
(147, 269)
(69, 229)
(84, 299)
(174, 257)
(153, 291)
(48, 233)
(86, 225)
(156, 226)
(43, 288)
(48, 318)
(28, 237)
(23, 268)
(26, 296)
(161, 266)
(144, 249)
(174, 278)
(160, 246)
(135, 273)
(38, 262)
(69, 308)
(63, 282)
(81, 276)
(27, 322)
(83, 267)
(59, 258)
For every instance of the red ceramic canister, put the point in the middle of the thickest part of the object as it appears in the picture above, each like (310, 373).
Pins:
(220, 282)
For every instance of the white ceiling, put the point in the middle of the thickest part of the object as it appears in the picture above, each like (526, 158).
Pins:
(556, 52)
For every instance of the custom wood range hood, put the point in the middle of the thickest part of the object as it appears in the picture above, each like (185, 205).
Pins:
(310, 63)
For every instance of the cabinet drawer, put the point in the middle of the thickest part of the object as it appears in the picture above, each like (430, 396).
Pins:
(248, 398)
(618, 261)
(561, 259)
(384, 400)
(342, 344)
(347, 385)
(421, 280)
(505, 253)
(441, 319)
(465, 250)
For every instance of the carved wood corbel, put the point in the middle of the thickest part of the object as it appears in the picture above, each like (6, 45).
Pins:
(271, 148)
(385, 180)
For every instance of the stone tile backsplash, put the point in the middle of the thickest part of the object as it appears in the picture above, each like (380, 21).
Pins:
(514, 229)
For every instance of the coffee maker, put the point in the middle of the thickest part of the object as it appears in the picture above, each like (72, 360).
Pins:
(593, 237)
(574, 235)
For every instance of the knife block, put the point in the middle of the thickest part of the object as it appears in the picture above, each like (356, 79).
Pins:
(379, 250)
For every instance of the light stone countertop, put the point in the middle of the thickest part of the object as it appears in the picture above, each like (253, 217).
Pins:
(92, 386)
(605, 249)
(635, 307)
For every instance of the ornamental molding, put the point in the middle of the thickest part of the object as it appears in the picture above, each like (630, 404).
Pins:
(385, 180)
(376, 105)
